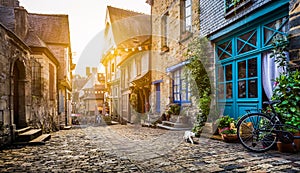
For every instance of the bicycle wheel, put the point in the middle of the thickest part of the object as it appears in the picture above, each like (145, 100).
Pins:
(256, 132)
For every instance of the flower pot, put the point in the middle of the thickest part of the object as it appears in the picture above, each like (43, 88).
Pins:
(288, 148)
(229, 137)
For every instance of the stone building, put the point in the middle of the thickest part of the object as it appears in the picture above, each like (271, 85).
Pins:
(174, 24)
(91, 94)
(55, 33)
(126, 61)
(29, 70)
(241, 33)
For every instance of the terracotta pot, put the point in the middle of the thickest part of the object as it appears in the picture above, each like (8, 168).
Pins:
(288, 148)
(229, 137)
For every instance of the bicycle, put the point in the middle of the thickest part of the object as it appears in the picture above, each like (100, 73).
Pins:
(260, 131)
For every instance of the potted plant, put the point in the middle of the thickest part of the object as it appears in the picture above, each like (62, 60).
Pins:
(229, 135)
(227, 129)
(224, 123)
(287, 90)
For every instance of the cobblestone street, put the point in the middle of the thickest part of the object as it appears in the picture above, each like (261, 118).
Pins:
(138, 149)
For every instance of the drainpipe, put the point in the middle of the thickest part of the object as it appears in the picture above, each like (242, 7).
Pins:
(57, 98)
(66, 104)
(9, 103)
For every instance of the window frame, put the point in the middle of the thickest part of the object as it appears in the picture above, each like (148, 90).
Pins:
(178, 84)
(164, 32)
(36, 81)
(51, 82)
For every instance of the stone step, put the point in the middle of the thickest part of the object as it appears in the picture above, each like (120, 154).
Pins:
(176, 125)
(173, 128)
(29, 135)
(40, 140)
(66, 127)
(23, 130)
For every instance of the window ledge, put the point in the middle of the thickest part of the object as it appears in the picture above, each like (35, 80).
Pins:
(185, 36)
(235, 9)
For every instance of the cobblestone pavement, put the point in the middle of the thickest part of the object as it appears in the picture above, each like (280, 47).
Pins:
(138, 149)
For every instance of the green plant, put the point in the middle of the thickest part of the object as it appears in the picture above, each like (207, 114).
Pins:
(229, 131)
(225, 121)
(197, 70)
(174, 109)
(288, 92)
(287, 88)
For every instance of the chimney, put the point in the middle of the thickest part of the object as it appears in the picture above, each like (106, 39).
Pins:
(21, 16)
(87, 71)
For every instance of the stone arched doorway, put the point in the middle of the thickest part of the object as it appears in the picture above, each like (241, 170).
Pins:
(19, 77)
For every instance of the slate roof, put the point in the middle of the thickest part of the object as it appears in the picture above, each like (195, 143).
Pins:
(127, 24)
(7, 17)
(33, 40)
(51, 28)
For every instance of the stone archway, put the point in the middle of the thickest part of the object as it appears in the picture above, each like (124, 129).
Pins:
(19, 77)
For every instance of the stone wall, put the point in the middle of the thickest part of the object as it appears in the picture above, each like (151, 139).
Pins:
(177, 44)
(12, 49)
(294, 32)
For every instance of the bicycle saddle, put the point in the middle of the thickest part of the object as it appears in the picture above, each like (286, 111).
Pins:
(271, 102)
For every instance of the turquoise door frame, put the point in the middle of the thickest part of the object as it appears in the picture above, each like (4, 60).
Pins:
(243, 50)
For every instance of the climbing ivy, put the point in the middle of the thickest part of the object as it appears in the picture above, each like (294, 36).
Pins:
(198, 55)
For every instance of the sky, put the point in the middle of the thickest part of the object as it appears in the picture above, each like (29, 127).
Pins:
(87, 21)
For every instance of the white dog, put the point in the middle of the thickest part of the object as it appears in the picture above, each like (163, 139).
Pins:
(188, 135)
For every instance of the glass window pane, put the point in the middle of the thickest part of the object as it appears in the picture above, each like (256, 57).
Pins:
(176, 97)
(243, 47)
(229, 90)
(242, 69)
(188, 3)
(183, 95)
(183, 84)
(229, 72)
(252, 67)
(270, 29)
(252, 88)
(188, 23)
(225, 50)
(242, 89)
(188, 11)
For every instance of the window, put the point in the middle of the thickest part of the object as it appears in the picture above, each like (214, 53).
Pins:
(181, 91)
(225, 82)
(138, 66)
(224, 50)
(51, 82)
(164, 32)
(186, 13)
(247, 42)
(277, 28)
(247, 78)
(36, 78)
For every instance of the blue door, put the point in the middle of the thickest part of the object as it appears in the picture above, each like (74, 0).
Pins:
(239, 65)
(157, 89)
